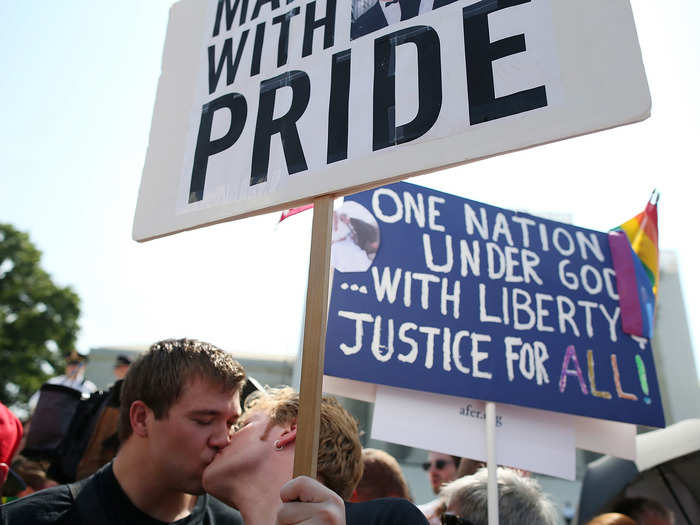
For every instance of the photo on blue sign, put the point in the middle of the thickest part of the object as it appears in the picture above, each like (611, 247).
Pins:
(472, 300)
(355, 238)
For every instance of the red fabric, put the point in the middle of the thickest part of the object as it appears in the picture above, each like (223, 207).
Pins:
(294, 211)
(10, 434)
(651, 224)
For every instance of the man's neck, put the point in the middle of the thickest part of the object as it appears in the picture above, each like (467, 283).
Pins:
(258, 499)
(146, 490)
(262, 514)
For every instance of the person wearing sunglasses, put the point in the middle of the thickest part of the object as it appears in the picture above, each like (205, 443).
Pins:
(448, 518)
(520, 501)
(441, 469)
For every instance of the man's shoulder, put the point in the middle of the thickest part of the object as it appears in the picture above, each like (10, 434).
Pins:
(220, 513)
(52, 505)
(384, 511)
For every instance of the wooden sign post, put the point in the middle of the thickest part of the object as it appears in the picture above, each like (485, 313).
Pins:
(310, 390)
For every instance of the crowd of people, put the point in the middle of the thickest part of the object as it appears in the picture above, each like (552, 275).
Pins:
(191, 451)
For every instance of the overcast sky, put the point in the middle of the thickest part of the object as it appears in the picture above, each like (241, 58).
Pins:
(77, 88)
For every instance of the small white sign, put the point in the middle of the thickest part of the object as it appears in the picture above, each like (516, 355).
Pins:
(597, 435)
(528, 439)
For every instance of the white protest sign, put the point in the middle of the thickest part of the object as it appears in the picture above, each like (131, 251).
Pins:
(263, 105)
(597, 435)
(525, 438)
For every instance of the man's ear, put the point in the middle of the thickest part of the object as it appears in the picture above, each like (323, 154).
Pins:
(289, 435)
(139, 416)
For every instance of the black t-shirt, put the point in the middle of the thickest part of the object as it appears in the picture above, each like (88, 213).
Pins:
(104, 501)
(384, 511)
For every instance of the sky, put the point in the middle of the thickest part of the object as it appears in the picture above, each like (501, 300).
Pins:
(78, 86)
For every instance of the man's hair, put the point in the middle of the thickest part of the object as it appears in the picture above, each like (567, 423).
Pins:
(520, 499)
(158, 376)
(339, 450)
(31, 472)
(467, 467)
(640, 509)
(382, 477)
(612, 518)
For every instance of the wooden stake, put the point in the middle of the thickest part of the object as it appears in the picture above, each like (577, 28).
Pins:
(310, 389)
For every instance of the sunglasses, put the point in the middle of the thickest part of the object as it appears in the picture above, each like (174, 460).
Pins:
(452, 519)
(439, 464)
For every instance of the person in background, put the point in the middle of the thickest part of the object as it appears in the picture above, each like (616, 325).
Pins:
(73, 377)
(521, 500)
(612, 518)
(441, 469)
(31, 477)
(254, 473)
(381, 477)
(121, 366)
(10, 437)
(569, 512)
(467, 467)
(644, 511)
(179, 402)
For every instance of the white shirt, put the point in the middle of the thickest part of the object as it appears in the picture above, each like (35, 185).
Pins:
(84, 385)
(78, 382)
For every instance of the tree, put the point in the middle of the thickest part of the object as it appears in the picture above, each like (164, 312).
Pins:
(38, 319)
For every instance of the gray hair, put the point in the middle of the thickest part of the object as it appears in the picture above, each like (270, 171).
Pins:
(520, 499)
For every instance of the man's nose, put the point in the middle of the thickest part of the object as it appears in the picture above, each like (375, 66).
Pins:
(221, 437)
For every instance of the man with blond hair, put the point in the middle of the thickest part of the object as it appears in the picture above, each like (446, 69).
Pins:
(254, 474)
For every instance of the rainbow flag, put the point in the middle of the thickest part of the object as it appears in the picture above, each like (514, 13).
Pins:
(635, 254)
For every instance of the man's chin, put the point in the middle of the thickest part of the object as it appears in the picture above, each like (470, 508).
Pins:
(197, 491)
(216, 486)
(208, 487)
(212, 480)
(193, 487)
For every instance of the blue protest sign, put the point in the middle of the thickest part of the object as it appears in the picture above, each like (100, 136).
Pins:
(442, 294)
